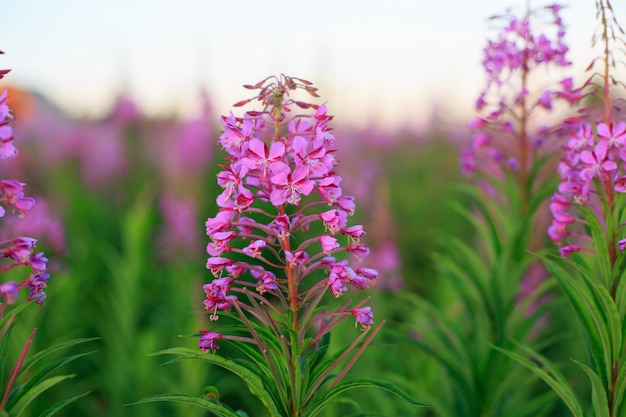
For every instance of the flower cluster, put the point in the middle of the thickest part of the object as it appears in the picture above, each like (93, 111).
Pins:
(591, 170)
(279, 183)
(502, 140)
(21, 250)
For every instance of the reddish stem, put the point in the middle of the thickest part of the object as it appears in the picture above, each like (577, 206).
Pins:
(16, 370)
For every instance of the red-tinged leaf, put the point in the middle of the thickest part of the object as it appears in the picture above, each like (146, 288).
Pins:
(4, 72)
(241, 103)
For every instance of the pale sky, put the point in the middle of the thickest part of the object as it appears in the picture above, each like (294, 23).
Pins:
(384, 61)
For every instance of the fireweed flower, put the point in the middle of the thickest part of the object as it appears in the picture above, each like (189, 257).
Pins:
(494, 278)
(282, 213)
(19, 251)
(281, 162)
(588, 219)
(502, 141)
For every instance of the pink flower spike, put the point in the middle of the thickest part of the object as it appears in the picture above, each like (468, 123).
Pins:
(363, 316)
(621, 245)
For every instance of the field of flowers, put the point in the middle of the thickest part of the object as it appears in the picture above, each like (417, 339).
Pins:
(267, 260)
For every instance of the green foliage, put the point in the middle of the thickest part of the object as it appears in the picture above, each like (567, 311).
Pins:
(35, 384)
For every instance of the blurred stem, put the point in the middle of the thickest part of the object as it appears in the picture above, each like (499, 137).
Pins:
(524, 151)
(605, 85)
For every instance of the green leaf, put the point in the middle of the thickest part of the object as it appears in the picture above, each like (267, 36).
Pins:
(43, 353)
(585, 298)
(33, 393)
(249, 376)
(59, 406)
(599, 399)
(599, 243)
(39, 376)
(313, 408)
(217, 409)
(549, 373)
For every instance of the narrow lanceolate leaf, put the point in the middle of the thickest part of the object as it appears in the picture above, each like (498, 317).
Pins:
(581, 296)
(312, 409)
(59, 406)
(217, 409)
(33, 381)
(549, 373)
(250, 377)
(599, 244)
(599, 399)
(21, 405)
(43, 353)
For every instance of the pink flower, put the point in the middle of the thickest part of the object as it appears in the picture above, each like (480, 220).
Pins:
(355, 232)
(289, 186)
(297, 258)
(596, 162)
(266, 279)
(329, 244)
(259, 157)
(567, 250)
(254, 249)
(220, 222)
(346, 203)
(219, 243)
(545, 100)
(216, 264)
(207, 343)
(215, 293)
(364, 317)
(614, 136)
(582, 139)
(9, 291)
(331, 220)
